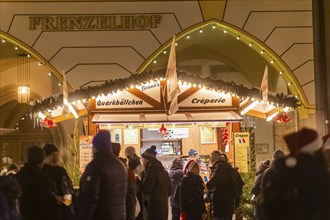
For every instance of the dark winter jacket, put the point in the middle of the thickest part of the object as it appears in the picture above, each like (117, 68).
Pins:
(103, 188)
(36, 197)
(175, 176)
(192, 196)
(299, 192)
(220, 186)
(256, 189)
(156, 188)
(9, 193)
(60, 184)
(131, 195)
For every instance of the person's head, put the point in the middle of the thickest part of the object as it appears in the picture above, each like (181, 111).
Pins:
(102, 141)
(278, 154)
(217, 156)
(192, 166)
(35, 155)
(192, 154)
(134, 163)
(116, 147)
(149, 154)
(52, 155)
(129, 151)
(177, 164)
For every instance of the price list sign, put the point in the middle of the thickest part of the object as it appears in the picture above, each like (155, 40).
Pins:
(85, 152)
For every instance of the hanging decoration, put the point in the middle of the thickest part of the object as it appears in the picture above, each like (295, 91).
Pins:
(162, 130)
(224, 136)
(282, 117)
(112, 86)
(48, 121)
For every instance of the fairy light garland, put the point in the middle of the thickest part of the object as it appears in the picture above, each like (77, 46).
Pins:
(113, 86)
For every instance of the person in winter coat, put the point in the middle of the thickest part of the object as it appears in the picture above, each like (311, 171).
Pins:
(155, 186)
(103, 185)
(135, 165)
(176, 174)
(220, 187)
(270, 171)
(299, 186)
(9, 193)
(255, 191)
(191, 193)
(131, 186)
(60, 185)
(36, 197)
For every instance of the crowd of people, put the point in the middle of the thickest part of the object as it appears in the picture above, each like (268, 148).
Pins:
(294, 186)
(290, 187)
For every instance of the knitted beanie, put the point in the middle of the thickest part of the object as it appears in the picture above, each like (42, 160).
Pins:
(49, 149)
(101, 141)
(35, 155)
(150, 153)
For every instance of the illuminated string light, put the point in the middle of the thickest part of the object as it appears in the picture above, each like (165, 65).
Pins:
(200, 31)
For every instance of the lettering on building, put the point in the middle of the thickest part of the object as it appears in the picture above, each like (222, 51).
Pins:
(207, 101)
(93, 22)
(119, 102)
(150, 86)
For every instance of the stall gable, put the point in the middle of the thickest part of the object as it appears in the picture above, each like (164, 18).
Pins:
(151, 97)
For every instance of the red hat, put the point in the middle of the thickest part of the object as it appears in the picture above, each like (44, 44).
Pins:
(190, 165)
(303, 141)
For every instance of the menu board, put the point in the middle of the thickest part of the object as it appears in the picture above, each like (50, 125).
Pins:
(241, 158)
(242, 146)
(131, 136)
(208, 135)
(85, 152)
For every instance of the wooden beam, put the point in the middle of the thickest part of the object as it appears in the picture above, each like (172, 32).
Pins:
(145, 97)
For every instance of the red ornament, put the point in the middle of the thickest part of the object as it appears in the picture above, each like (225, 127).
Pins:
(48, 122)
(224, 136)
(162, 130)
(282, 117)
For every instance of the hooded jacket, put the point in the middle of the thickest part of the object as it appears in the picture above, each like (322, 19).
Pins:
(156, 188)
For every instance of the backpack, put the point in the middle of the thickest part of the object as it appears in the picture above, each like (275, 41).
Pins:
(237, 185)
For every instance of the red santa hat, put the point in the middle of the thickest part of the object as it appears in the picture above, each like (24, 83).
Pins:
(305, 140)
(190, 165)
